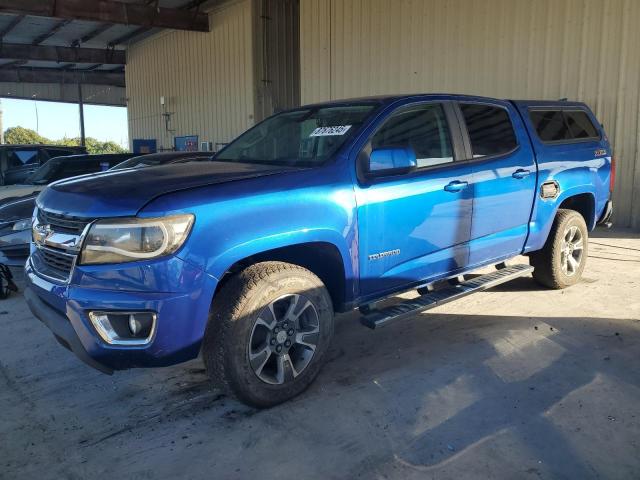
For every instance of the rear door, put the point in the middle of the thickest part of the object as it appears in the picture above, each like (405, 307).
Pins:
(415, 226)
(503, 173)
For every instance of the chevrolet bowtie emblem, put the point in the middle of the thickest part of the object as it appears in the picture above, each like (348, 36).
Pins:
(41, 233)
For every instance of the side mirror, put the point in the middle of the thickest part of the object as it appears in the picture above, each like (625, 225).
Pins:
(391, 161)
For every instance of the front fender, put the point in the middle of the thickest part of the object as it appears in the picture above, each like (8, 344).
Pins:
(238, 220)
(222, 262)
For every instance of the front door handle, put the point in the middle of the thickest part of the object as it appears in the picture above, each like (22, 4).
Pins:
(520, 173)
(456, 186)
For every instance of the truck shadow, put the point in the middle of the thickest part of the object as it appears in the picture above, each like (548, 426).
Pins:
(446, 385)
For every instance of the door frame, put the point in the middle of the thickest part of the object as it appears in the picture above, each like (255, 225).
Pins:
(355, 158)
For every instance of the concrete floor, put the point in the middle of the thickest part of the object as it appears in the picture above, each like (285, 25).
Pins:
(516, 382)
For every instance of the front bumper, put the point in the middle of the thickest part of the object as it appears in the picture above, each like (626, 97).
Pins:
(181, 317)
(61, 328)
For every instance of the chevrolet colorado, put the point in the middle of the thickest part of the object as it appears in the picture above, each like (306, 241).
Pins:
(321, 209)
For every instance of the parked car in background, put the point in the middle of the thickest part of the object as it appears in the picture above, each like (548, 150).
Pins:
(322, 209)
(15, 216)
(15, 230)
(17, 162)
(155, 159)
(59, 168)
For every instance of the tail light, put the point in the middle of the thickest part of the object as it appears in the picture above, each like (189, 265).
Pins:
(612, 177)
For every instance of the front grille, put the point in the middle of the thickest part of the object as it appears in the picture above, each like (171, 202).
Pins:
(53, 262)
(63, 223)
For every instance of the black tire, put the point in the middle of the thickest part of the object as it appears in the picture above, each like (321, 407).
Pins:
(548, 262)
(237, 313)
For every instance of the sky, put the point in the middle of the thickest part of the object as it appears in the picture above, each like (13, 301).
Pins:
(55, 120)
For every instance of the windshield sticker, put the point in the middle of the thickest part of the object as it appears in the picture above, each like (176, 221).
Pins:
(330, 131)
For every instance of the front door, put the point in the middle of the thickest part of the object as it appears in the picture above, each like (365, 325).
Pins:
(415, 226)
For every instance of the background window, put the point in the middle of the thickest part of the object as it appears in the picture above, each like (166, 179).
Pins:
(490, 129)
(424, 128)
(18, 158)
(562, 125)
(550, 125)
(580, 125)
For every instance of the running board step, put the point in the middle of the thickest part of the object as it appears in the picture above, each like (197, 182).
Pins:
(381, 317)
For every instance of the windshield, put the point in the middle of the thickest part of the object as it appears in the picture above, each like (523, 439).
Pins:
(305, 137)
(44, 174)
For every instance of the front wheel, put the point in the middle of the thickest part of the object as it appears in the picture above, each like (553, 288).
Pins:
(269, 330)
(561, 261)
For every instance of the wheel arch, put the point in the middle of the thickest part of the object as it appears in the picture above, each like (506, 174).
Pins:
(580, 198)
(584, 204)
(322, 258)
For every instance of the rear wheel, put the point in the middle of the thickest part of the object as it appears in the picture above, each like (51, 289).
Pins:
(561, 261)
(268, 333)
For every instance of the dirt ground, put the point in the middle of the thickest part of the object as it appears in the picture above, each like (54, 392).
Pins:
(517, 382)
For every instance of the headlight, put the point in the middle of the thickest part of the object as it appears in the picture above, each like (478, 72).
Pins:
(24, 224)
(131, 239)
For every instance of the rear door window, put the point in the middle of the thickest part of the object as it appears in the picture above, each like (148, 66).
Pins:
(490, 129)
(563, 125)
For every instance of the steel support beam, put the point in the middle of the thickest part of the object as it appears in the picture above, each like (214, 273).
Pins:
(62, 54)
(110, 12)
(13, 24)
(54, 75)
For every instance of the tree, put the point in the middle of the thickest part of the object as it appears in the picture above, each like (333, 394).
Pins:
(93, 145)
(21, 135)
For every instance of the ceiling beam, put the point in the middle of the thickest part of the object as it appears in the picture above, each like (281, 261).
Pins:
(55, 75)
(192, 4)
(49, 53)
(110, 12)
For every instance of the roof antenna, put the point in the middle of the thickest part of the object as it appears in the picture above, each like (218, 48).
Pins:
(564, 99)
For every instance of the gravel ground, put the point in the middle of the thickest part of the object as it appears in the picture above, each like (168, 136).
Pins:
(516, 382)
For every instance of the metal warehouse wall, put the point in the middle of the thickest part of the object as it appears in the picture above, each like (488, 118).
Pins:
(277, 55)
(206, 79)
(587, 50)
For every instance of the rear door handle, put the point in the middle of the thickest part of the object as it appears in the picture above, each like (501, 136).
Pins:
(456, 186)
(520, 173)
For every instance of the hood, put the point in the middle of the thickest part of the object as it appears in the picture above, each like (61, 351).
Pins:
(17, 191)
(124, 192)
(18, 209)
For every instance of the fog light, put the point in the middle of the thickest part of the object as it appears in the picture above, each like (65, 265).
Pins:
(124, 328)
(134, 325)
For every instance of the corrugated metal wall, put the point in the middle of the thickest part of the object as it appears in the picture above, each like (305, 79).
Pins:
(587, 50)
(55, 92)
(206, 79)
(277, 55)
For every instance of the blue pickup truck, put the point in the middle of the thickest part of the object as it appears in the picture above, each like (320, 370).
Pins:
(326, 208)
